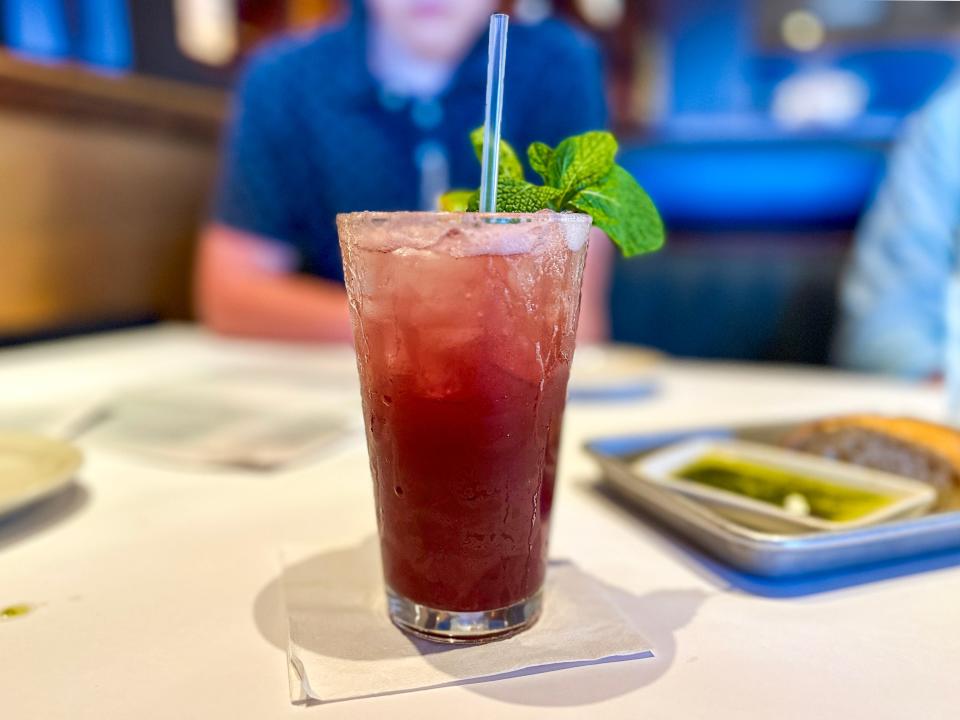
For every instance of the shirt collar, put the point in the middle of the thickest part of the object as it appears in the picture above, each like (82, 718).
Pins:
(358, 85)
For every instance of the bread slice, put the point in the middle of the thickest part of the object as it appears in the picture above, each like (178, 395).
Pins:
(903, 446)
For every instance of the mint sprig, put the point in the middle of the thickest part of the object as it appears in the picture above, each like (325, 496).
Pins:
(580, 174)
(510, 165)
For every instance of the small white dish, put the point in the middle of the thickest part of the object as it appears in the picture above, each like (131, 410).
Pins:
(910, 497)
(33, 467)
(613, 372)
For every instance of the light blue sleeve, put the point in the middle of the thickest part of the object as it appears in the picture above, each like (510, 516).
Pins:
(893, 292)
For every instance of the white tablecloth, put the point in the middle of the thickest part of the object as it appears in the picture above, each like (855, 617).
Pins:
(157, 588)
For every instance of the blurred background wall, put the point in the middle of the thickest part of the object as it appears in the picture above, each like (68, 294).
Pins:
(758, 126)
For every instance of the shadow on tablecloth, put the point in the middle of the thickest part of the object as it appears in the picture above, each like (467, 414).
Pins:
(660, 613)
(44, 514)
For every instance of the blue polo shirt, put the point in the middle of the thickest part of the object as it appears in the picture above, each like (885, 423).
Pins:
(314, 135)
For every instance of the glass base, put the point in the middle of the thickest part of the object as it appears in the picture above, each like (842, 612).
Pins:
(450, 626)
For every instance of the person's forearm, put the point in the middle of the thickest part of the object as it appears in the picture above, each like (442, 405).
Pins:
(245, 287)
(289, 307)
(594, 324)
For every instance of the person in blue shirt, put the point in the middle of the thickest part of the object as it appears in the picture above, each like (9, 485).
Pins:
(893, 295)
(373, 115)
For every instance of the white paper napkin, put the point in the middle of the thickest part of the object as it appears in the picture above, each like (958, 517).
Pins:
(343, 646)
(176, 425)
(256, 417)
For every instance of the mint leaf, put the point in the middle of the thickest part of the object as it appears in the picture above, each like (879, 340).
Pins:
(540, 155)
(581, 160)
(621, 208)
(509, 162)
(579, 174)
(514, 193)
(519, 196)
(458, 200)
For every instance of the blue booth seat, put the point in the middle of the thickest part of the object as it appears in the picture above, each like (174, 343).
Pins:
(759, 230)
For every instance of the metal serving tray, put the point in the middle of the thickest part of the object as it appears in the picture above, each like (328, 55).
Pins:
(763, 554)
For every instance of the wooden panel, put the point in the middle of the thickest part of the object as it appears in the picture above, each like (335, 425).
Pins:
(103, 185)
(96, 224)
(148, 104)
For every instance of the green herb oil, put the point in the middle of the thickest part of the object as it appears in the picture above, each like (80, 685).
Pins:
(770, 485)
(14, 611)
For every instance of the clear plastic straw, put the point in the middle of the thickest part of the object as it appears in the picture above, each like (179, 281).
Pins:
(496, 63)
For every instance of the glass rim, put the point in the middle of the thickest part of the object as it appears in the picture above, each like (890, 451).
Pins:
(460, 218)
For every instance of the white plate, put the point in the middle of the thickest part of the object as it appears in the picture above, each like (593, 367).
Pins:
(33, 467)
(613, 372)
(911, 497)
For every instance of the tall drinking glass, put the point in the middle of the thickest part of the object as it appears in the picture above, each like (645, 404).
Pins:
(464, 326)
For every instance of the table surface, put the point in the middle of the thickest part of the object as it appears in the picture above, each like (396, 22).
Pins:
(157, 586)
